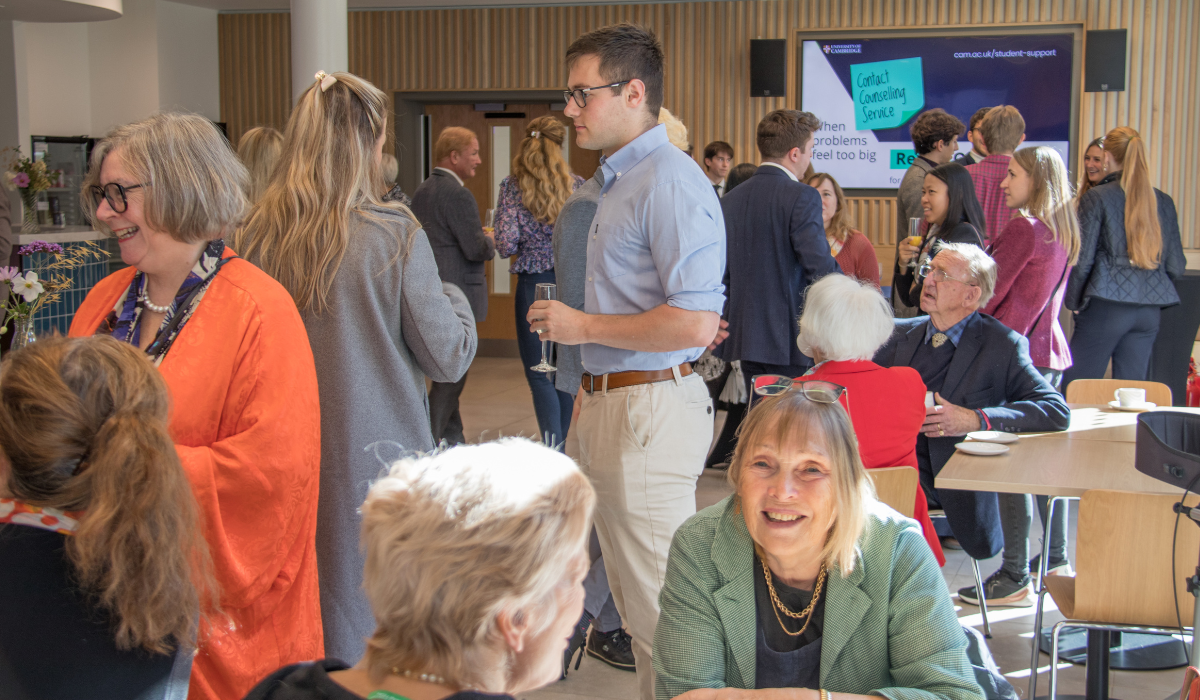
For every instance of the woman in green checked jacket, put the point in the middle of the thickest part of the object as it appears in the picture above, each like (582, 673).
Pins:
(801, 585)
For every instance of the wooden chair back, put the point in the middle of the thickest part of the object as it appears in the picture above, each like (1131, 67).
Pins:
(897, 487)
(1123, 559)
(1100, 391)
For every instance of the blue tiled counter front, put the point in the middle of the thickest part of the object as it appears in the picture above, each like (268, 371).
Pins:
(57, 316)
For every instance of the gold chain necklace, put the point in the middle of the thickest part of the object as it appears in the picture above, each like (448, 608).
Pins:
(778, 605)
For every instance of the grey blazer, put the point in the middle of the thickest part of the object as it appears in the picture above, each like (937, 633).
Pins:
(570, 269)
(450, 217)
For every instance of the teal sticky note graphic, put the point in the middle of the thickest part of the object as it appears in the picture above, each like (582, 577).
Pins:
(901, 158)
(887, 93)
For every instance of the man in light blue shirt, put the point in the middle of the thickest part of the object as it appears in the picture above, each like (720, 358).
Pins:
(652, 302)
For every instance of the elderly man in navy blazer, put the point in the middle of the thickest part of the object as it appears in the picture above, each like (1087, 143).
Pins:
(775, 243)
(450, 217)
(982, 379)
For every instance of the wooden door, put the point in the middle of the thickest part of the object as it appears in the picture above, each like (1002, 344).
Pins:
(501, 319)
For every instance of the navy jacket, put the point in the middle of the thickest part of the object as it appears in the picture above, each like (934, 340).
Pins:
(448, 213)
(1104, 270)
(991, 370)
(775, 248)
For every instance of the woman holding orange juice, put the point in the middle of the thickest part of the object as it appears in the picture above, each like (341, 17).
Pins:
(952, 210)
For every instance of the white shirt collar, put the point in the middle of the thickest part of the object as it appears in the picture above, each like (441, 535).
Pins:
(454, 175)
(789, 172)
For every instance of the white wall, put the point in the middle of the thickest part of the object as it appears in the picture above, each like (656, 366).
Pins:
(56, 79)
(123, 62)
(75, 79)
(189, 70)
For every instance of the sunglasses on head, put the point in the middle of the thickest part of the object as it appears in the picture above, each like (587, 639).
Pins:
(812, 389)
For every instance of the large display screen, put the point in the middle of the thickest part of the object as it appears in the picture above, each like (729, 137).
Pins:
(868, 92)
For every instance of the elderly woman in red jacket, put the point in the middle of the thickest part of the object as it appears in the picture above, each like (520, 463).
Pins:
(844, 323)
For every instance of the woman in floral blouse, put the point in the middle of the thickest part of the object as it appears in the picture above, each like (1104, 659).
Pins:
(530, 200)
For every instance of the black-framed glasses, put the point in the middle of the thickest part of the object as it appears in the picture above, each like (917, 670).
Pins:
(939, 275)
(580, 94)
(114, 193)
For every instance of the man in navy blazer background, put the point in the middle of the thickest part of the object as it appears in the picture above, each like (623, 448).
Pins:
(776, 247)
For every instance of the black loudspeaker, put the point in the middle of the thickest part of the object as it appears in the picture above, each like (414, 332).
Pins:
(1104, 70)
(768, 67)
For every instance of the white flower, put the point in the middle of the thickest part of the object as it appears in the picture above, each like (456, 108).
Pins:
(28, 286)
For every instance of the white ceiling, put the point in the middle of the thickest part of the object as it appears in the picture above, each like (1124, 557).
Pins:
(251, 5)
(60, 10)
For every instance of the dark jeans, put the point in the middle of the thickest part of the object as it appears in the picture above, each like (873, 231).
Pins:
(750, 370)
(1016, 517)
(1109, 329)
(444, 418)
(552, 407)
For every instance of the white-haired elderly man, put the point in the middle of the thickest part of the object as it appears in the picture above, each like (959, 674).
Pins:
(982, 379)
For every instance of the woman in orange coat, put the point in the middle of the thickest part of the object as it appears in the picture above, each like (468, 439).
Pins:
(235, 356)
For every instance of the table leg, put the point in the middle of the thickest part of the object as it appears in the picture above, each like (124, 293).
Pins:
(1097, 664)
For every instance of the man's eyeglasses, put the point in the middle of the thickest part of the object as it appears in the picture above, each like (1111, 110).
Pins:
(580, 94)
(114, 193)
(939, 275)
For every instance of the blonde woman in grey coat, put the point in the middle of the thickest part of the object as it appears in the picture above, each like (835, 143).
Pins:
(379, 318)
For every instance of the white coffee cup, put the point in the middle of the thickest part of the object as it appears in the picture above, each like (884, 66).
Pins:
(1130, 397)
(929, 399)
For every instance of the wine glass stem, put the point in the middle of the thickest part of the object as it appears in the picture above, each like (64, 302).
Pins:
(545, 352)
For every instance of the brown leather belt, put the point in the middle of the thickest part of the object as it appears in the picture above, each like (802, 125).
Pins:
(616, 380)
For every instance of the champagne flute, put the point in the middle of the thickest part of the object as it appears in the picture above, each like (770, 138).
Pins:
(545, 292)
(489, 220)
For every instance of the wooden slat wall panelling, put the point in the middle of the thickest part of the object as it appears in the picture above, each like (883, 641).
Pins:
(708, 70)
(255, 66)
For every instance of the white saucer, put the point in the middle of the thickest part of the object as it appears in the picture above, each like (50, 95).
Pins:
(983, 449)
(993, 436)
(1134, 408)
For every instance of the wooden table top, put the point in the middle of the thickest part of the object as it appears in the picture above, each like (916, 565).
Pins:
(1096, 452)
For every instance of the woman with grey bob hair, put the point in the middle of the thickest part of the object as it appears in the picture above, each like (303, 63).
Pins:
(233, 351)
(475, 564)
(843, 325)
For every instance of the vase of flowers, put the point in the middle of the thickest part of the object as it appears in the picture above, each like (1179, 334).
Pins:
(30, 178)
(24, 293)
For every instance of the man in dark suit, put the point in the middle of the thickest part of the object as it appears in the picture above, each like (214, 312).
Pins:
(775, 243)
(447, 211)
(982, 379)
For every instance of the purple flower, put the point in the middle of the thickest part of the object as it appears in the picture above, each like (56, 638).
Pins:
(21, 180)
(41, 247)
(7, 274)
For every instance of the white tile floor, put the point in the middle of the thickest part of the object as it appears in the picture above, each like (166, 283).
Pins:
(496, 402)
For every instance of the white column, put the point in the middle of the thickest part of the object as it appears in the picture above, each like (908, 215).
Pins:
(318, 41)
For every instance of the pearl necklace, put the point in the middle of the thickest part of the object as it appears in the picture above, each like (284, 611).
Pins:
(424, 677)
(145, 299)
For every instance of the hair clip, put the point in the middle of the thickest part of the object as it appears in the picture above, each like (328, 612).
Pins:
(325, 80)
(533, 134)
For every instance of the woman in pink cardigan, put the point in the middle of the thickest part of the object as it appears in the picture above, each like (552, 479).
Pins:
(1036, 258)
(1034, 255)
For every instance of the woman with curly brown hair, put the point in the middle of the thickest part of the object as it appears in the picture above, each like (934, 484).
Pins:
(530, 201)
(100, 541)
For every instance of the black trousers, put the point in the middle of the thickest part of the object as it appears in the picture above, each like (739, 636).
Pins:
(1109, 329)
(444, 418)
